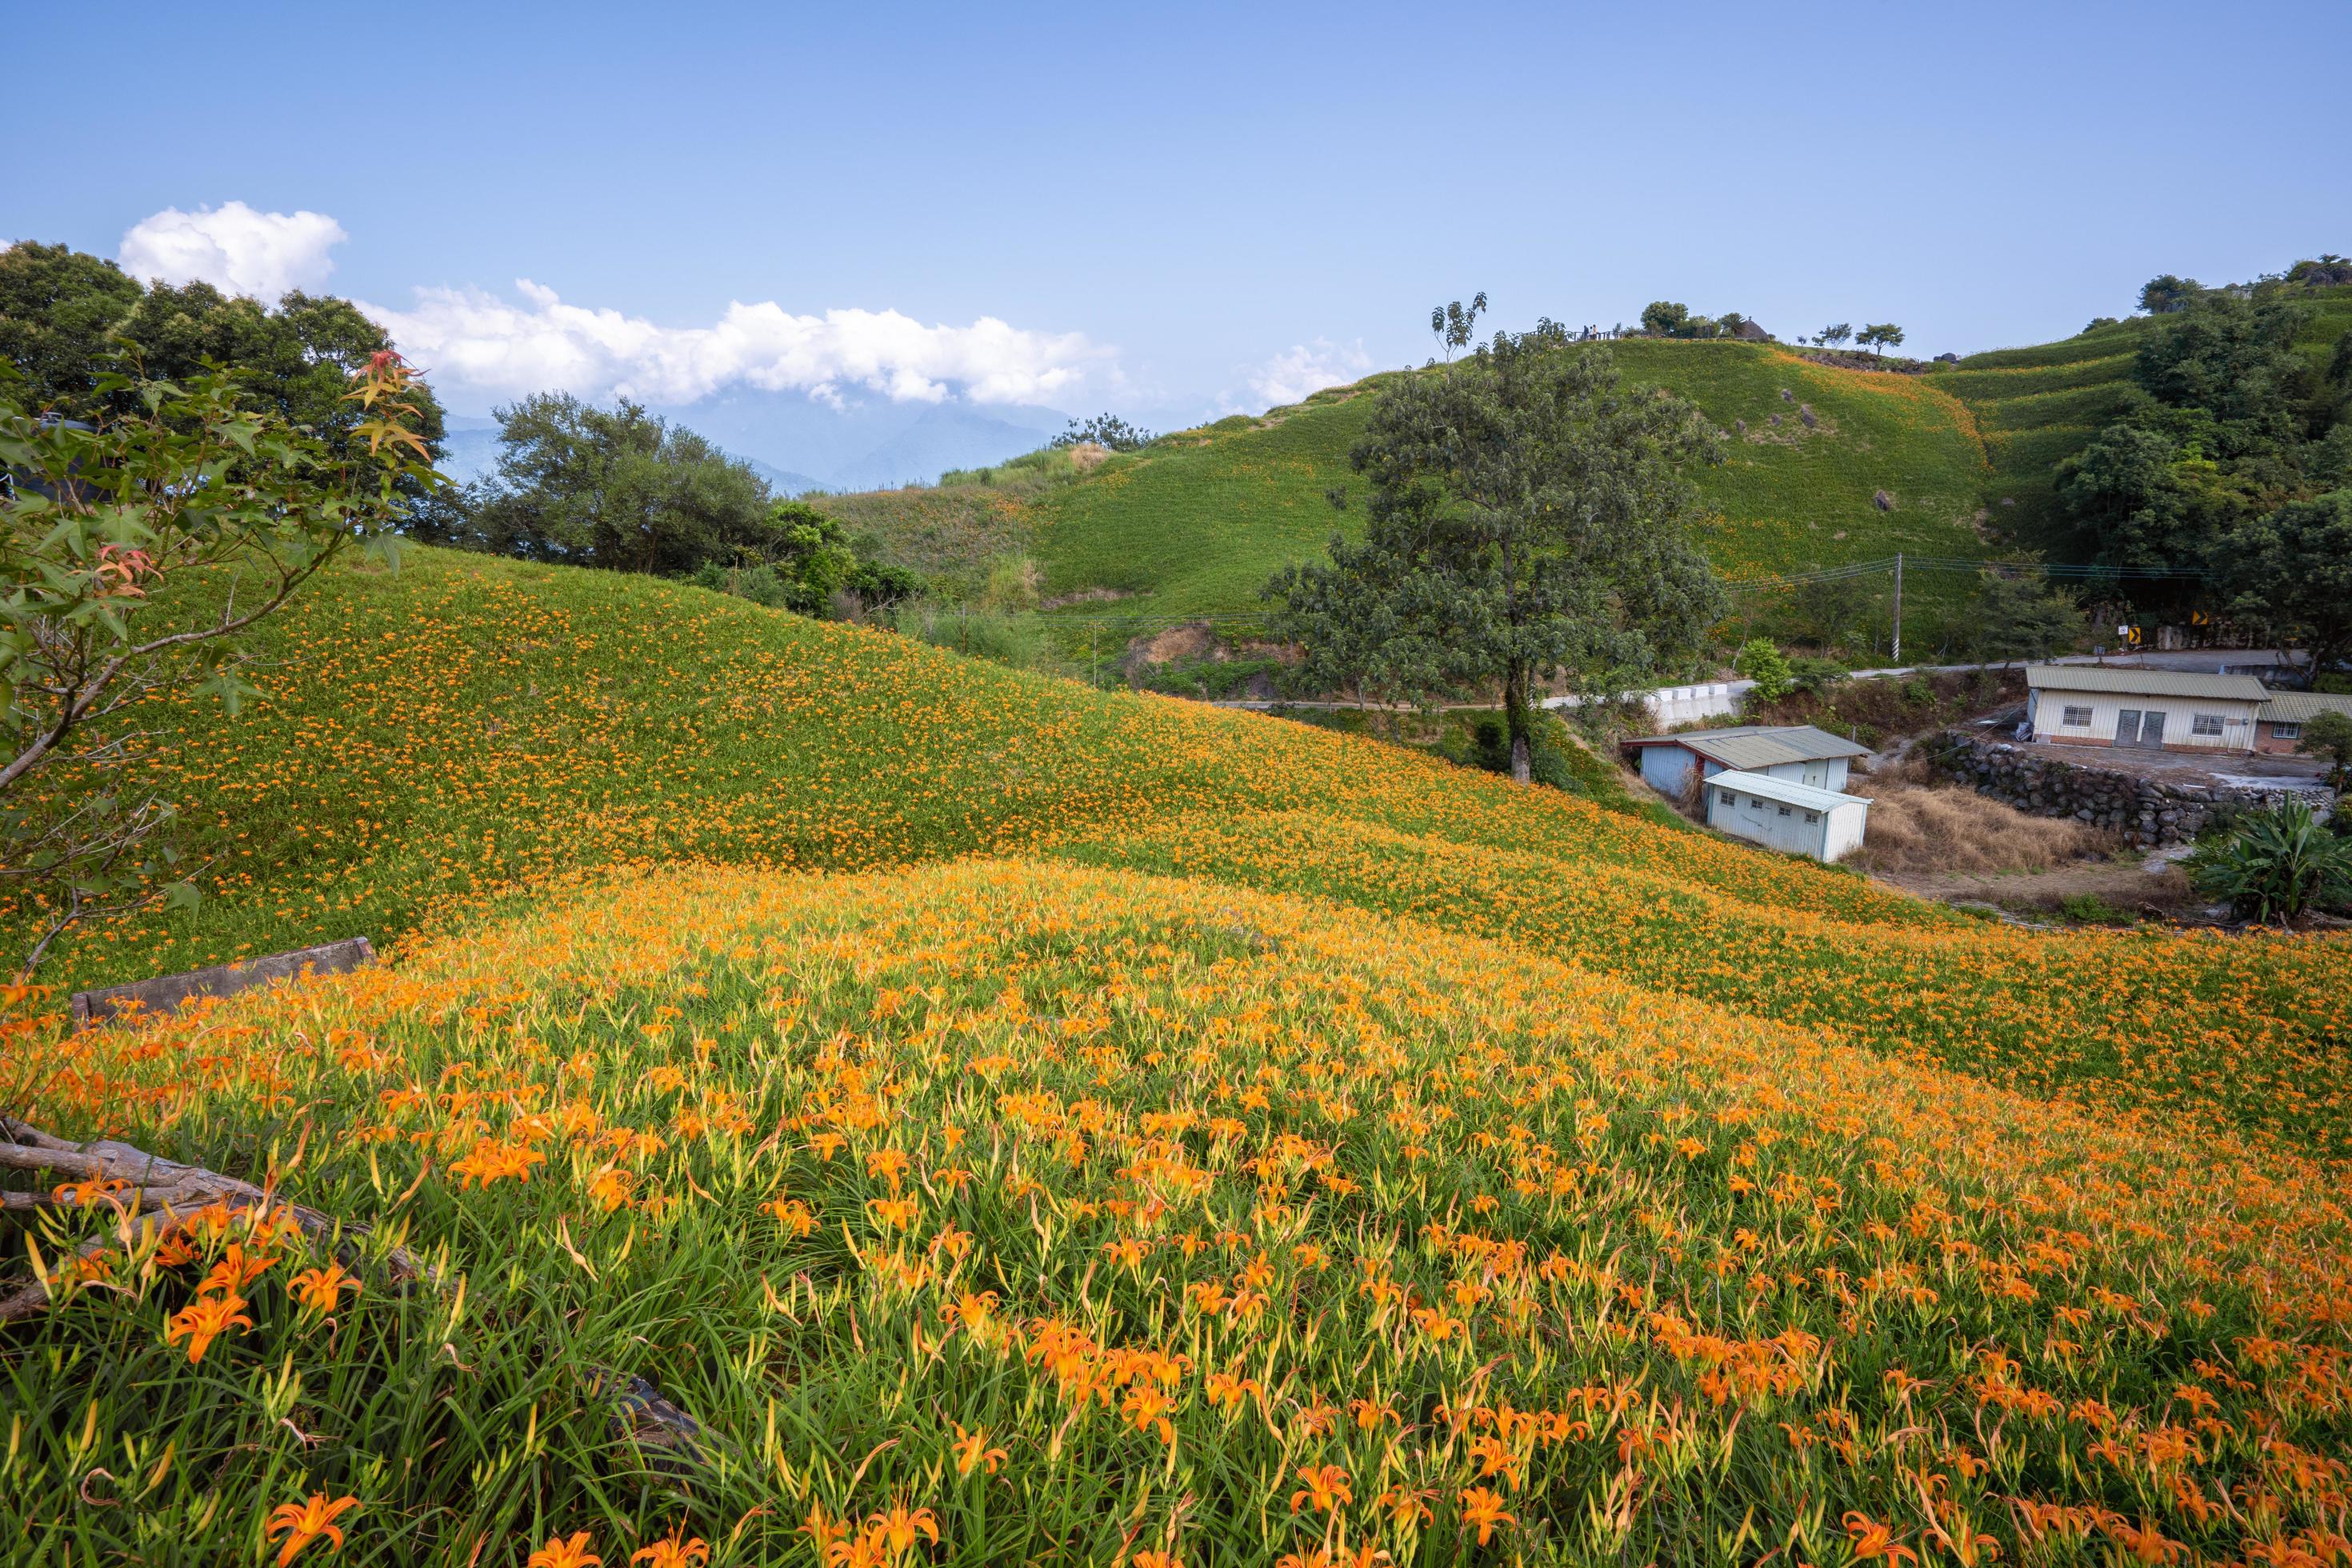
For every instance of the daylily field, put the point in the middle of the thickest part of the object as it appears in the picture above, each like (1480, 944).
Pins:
(1014, 1124)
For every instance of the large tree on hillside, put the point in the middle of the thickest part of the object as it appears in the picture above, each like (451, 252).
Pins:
(616, 488)
(1529, 518)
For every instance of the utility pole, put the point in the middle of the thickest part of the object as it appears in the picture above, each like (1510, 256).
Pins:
(1896, 655)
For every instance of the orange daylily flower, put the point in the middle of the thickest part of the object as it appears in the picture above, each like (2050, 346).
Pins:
(304, 1522)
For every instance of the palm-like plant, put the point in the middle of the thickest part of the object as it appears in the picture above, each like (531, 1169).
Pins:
(2279, 864)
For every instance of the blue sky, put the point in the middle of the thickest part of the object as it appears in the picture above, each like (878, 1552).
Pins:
(1187, 210)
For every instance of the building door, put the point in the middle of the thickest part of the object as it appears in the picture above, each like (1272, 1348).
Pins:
(2151, 730)
(1818, 775)
(2127, 727)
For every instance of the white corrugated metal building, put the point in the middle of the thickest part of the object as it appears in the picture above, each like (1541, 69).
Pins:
(1783, 814)
(2148, 710)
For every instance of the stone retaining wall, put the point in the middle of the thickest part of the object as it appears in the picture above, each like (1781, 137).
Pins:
(2147, 812)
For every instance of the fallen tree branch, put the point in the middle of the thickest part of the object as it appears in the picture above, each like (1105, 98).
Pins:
(151, 1185)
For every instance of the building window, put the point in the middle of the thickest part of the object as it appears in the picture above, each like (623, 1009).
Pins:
(2287, 731)
(2077, 718)
(1812, 816)
(1728, 798)
(2206, 724)
(1784, 811)
(1755, 804)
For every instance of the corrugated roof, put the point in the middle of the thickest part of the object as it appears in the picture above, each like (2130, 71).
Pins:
(2135, 682)
(1760, 745)
(2301, 707)
(1786, 792)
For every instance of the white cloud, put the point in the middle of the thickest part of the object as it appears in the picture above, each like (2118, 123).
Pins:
(234, 249)
(1305, 368)
(505, 349)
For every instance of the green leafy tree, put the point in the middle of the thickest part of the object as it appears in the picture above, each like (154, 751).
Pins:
(1760, 659)
(2291, 571)
(2229, 372)
(104, 525)
(1880, 335)
(612, 488)
(2278, 864)
(1836, 335)
(58, 310)
(1529, 518)
(2125, 504)
(68, 319)
(2329, 738)
(1107, 430)
(2165, 293)
(293, 357)
(1665, 318)
(1456, 325)
(2019, 616)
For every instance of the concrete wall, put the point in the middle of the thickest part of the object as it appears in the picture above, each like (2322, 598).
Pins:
(1780, 827)
(2047, 710)
(1672, 705)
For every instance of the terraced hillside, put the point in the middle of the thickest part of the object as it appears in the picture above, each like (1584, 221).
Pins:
(1015, 1123)
(1196, 524)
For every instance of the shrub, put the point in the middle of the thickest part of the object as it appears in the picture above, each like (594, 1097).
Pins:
(1017, 639)
(2090, 909)
(2279, 864)
(1760, 661)
(1816, 675)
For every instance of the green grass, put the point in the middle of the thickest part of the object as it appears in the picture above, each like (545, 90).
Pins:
(1196, 524)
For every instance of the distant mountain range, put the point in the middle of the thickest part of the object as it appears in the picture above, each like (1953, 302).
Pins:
(798, 443)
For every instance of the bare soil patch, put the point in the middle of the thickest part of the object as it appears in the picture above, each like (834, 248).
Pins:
(1175, 643)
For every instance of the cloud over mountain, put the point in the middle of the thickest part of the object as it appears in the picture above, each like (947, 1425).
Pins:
(1304, 368)
(505, 348)
(234, 248)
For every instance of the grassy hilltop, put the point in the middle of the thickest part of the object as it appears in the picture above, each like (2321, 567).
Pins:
(1089, 1126)
(1197, 524)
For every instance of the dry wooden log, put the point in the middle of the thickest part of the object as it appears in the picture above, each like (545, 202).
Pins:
(151, 1185)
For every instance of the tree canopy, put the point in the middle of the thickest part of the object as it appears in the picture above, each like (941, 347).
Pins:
(616, 488)
(67, 320)
(1528, 520)
(2220, 464)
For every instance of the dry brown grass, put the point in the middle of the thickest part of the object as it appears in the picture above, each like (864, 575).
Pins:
(1918, 825)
